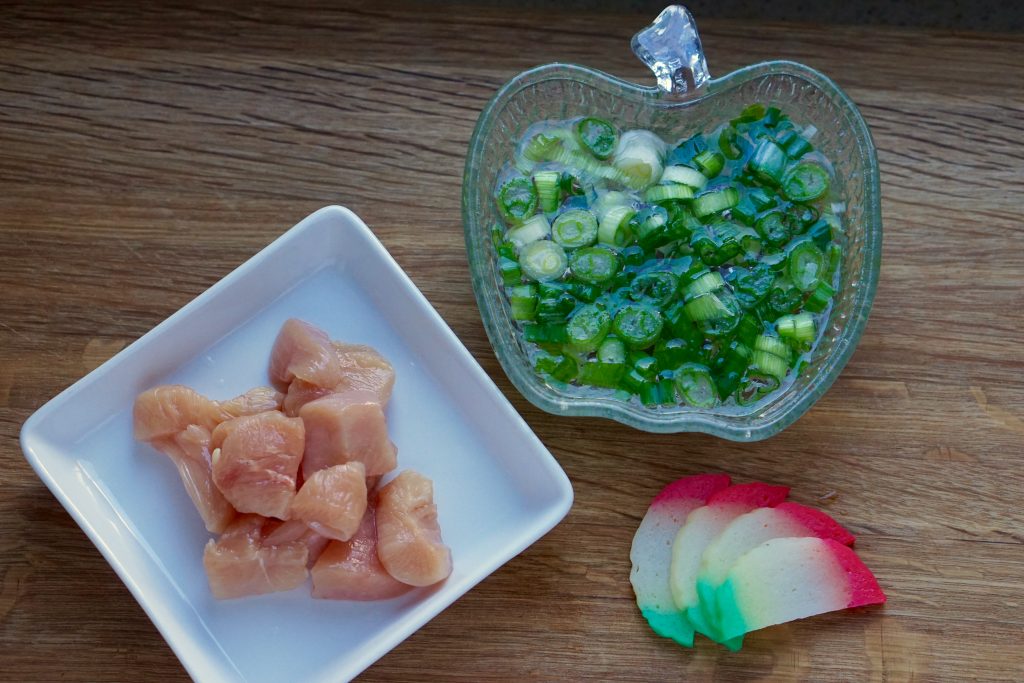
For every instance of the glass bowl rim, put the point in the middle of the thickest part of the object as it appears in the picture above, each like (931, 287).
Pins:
(488, 295)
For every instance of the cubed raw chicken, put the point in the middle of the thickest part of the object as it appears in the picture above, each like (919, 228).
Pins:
(301, 392)
(351, 570)
(258, 400)
(363, 369)
(332, 501)
(408, 536)
(241, 563)
(344, 428)
(166, 410)
(190, 452)
(303, 351)
(256, 460)
(279, 533)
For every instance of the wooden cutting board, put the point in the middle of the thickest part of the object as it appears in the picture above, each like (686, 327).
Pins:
(146, 151)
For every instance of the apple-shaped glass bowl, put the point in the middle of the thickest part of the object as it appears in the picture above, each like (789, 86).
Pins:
(685, 101)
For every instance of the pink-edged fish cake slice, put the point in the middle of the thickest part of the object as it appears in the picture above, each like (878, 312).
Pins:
(652, 551)
(702, 527)
(746, 532)
(785, 579)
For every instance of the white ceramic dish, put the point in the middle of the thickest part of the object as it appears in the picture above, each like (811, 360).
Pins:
(497, 487)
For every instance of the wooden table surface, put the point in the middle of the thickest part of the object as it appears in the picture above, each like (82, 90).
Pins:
(145, 152)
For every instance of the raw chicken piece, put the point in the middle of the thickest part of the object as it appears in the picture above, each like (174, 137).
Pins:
(332, 501)
(241, 563)
(164, 411)
(255, 462)
(190, 452)
(363, 369)
(345, 427)
(258, 400)
(301, 392)
(408, 537)
(351, 570)
(303, 351)
(279, 533)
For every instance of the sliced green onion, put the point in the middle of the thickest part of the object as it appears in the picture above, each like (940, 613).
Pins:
(707, 306)
(727, 143)
(768, 162)
(637, 325)
(517, 200)
(715, 201)
(769, 364)
(709, 163)
(600, 374)
(820, 298)
(794, 144)
(645, 364)
(835, 258)
(542, 147)
(536, 228)
(695, 385)
(658, 287)
(548, 190)
(640, 157)
(710, 281)
(798, 327)
(511, 273)
(671, 353)
(611, 350)
(549, 333)
(584, 291)
(555, 307)
(634, 255)
(803, 327)
(543, 260)
(570, 185)
(762, 199)
(774, 228)
(597, 136)
(755, 386)
(575, 228)
(562, 368)
(663, 193)
(805, 182)
(523, 300)
(587, 327)
(750, 113)
(806, 265)
(594, 265)
(613, 228)
(729, 368)
(684, 175)
(773, 345)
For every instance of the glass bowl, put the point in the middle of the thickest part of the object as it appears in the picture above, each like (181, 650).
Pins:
(685, 101)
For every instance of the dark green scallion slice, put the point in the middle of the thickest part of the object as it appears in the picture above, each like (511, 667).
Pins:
(597, 136)
(588, 327)
(517, 200)
(594, 265)
(806, 265)
(657, 288)
(696, 386)
(805, 182)
(637, 325)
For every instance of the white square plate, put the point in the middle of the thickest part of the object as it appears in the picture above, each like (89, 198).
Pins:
(497, 487)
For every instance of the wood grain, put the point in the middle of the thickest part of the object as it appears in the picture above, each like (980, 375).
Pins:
(147, 149)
